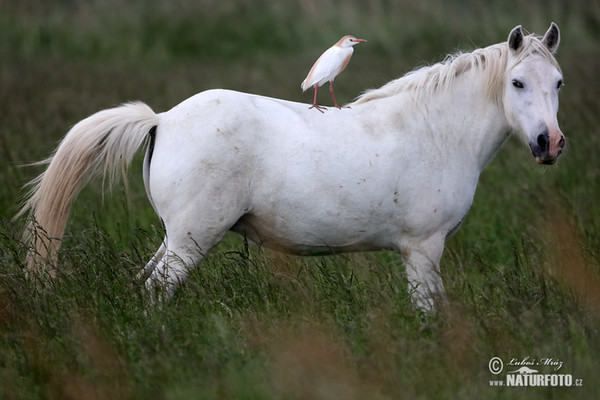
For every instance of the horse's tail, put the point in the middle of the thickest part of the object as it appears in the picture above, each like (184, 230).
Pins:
(103, 143)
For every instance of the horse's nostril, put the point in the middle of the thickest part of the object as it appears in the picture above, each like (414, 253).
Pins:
(542, 141)
(561, 142)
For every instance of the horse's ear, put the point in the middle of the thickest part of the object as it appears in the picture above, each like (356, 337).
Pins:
(552, 38)
(515, 39)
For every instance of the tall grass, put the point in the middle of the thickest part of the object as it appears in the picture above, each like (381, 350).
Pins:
(521, 274)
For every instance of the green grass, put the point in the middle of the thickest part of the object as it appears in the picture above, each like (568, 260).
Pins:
(521, 274)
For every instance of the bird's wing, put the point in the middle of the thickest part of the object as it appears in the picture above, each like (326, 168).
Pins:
(316, 70)
(331, 63)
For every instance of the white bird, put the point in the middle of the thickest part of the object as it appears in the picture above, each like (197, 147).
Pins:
(329, 65)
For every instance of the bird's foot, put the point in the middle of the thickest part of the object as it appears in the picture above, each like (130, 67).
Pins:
(318, 107)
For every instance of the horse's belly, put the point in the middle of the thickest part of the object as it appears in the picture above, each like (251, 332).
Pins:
(296, 238)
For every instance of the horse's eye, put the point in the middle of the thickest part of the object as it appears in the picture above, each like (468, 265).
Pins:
(517, 84)
(560, 83)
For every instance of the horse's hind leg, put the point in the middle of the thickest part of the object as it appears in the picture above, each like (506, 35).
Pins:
(145, 273)
(181, 251)
(170, 271)
(197, 208)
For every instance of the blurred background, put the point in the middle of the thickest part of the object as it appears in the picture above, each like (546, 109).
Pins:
(62, 60)
(522, 272)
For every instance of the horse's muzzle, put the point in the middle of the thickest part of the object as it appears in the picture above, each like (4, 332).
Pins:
(546, 148)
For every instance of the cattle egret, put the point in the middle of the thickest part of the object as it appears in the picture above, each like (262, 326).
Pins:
(329, 65)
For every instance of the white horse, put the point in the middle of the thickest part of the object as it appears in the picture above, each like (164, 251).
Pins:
(396, 170)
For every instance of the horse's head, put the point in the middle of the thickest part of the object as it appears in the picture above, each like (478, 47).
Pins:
(532, 81)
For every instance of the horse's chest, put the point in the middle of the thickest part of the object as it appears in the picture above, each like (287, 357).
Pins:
(439, 208)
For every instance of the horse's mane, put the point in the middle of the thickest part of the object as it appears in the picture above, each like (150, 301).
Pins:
(490, 61)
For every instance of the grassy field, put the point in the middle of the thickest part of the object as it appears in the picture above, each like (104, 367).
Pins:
(522, 274)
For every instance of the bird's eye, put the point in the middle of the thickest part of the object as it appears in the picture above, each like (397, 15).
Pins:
(517, 84)
(560, 83)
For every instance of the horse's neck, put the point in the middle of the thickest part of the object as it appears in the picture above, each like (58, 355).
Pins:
(465, 121)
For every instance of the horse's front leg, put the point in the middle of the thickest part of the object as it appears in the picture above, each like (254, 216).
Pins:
(424, 278)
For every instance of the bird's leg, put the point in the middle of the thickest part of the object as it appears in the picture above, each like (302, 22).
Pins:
(333, 96)
(315, 105)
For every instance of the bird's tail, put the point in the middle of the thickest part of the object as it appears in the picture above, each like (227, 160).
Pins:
(304, 85)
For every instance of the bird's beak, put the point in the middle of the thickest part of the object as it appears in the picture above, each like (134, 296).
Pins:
(358, 40)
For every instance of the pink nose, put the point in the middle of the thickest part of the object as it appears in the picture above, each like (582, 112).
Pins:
(548, 146)
(557, 143)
